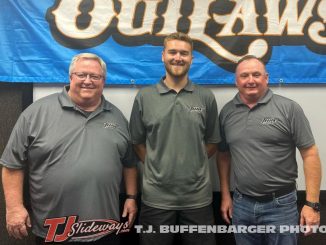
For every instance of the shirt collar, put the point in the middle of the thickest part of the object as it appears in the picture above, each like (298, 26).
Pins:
(162, 88)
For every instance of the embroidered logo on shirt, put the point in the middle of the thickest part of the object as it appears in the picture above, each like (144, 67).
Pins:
(110, 125)
(269, 120)
(196, 109)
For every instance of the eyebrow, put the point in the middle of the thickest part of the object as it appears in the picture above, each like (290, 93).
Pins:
(178, 50)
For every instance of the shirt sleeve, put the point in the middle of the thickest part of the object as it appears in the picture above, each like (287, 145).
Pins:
(223, 145)
(300, 127)
(136, 125)
(212, 132)
(129, 160)
(15, 153)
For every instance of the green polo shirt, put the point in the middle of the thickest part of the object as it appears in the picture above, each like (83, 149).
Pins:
(262, 142)
(75, 162)
(175, 128)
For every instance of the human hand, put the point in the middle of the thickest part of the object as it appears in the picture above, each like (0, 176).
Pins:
(130, 210)
(18, 221)
(309, 218)
(226, 208)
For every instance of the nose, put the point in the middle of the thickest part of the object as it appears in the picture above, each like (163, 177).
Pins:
(88, 79)
(177, 56)
(250, 78)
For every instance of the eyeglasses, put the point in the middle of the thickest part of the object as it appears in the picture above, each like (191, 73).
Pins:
(83, 76)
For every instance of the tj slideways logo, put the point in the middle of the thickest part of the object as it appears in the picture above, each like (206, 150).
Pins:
(64, 228)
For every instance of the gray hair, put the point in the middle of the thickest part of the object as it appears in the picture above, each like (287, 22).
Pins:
(89, 56)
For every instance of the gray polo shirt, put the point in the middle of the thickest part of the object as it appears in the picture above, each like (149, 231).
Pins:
(175, 128)
(75, 162)
(262, 142)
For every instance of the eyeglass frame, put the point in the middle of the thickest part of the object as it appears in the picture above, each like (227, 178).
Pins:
(90, 75)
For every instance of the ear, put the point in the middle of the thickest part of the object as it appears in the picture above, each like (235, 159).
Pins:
(235, 80)
(267, 78)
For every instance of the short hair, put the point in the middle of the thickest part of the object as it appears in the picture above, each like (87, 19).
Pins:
(250, 57)
(89, 56)
(179, 36)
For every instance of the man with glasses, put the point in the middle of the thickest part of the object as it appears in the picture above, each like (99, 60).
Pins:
(75, 145)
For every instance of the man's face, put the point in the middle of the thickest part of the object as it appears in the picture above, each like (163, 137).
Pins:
(251, 79)
(86, 82)
(177, 58)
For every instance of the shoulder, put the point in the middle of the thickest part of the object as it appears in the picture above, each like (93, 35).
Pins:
(282, 99)
(147, 90)
(285, 103)
(205, 94)
(227, 111)
(116, 113)
(45, 103)
(203, 90)
(228, 107)
(147, 95)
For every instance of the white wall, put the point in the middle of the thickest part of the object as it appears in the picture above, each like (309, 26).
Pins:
(311, 98)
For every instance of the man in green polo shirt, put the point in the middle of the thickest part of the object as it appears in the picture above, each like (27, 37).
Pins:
(75, 145)
(174, 128)
(260, 134)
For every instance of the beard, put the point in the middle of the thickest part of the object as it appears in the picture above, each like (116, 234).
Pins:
(177, 71)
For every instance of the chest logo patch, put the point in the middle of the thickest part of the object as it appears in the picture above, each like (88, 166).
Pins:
(269, 120)
(110, 125)
(196, 109)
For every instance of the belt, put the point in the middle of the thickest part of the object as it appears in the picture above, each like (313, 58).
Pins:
(270, 196)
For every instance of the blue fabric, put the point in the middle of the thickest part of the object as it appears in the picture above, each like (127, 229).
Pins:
(34, 48)
(279, 212)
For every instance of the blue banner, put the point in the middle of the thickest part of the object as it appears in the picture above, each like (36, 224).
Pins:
(39, 38)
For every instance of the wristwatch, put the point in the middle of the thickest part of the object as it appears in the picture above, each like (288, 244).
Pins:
(131, 197)
(314, 205)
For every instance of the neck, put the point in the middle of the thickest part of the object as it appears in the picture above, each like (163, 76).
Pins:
(90, 107)
(176, 83)
(251, 101)
(85, 105)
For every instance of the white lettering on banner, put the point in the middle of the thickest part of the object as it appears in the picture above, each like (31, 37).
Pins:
(91, 22)
(197, 32)
(68, 11)
(317, 27)
(127, 17)
(246, 12)
(171, 17)
(205, 229)
(290, 19)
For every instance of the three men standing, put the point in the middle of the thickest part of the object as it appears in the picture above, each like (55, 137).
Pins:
(75, 145)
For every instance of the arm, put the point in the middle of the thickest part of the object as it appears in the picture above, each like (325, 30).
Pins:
(211, 149)
(140, 150)
(223, 166)
(212, 132)
(130, 206)
(312, 172)
(17, 217)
